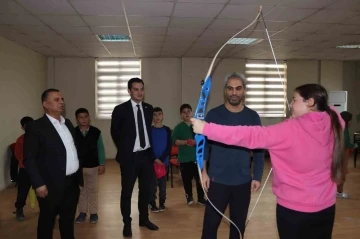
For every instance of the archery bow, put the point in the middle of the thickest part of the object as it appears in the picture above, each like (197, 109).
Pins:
(288, 105)
(200, 114)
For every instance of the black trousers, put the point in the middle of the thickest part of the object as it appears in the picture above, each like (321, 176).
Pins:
(14, 171)
(298, 225)
(237, 197)
(139, 166)
(64, 206)
(189, 171)
(24, 185)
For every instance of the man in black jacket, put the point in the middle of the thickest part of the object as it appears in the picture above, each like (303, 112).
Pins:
(51, 160)
(131, 133)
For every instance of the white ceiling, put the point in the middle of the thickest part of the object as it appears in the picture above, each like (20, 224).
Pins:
(299, 29)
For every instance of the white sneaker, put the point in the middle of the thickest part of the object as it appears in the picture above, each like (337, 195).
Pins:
(342, 195)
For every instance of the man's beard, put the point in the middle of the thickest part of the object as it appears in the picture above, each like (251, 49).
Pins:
(234, 100)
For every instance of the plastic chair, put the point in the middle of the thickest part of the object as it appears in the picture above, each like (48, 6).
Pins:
(173, 162)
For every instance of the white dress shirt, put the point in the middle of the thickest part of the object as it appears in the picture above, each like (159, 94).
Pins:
(137, 140)
(72, 161)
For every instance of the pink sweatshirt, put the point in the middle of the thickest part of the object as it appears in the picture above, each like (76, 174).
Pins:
(301, 155)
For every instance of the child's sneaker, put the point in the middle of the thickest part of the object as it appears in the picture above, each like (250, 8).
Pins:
(162, 207)
(81, 218)
(201, 201)
(153, 207)
(189, 200)
(94, 218)
(342, 195)
(20, 214)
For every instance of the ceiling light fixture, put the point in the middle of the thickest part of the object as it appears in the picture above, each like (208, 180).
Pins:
(349, 46)
(244, 41)
(114, 38)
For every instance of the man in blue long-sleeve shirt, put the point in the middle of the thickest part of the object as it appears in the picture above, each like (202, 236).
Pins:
(228, 177)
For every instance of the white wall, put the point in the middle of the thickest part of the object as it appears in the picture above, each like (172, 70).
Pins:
(169, 82)
(163, 88)
(22, 80)
(331, 75)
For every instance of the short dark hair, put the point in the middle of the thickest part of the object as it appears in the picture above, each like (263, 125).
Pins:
(157, 109)
(185, 106)
(25, 120)
(45, 94)
(134, 80)
(81, 110)
(347, 117)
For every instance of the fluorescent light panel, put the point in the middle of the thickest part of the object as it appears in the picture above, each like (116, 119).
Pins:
(114, 38)
(244, 41)
(118, 63)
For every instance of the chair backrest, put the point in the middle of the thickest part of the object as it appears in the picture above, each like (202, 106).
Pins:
(174, 151)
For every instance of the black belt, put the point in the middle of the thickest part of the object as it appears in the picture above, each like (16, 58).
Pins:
(142, 151)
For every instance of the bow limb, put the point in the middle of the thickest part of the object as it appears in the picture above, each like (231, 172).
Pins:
(200, 114)
(217, 53)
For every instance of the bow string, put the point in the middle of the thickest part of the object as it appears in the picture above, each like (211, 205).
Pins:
(288, 105)
(200, 114)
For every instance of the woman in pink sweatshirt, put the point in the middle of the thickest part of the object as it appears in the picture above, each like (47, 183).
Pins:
(306, 153)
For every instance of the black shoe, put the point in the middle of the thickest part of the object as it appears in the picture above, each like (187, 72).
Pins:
(153, 207)
(81, 218)
(149, 225)
(162, 207)
(20, 214)
(127, 231)
(94, 218)
(201, 201)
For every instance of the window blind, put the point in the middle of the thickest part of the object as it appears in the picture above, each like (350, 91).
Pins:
(112, 76)
(266, 91)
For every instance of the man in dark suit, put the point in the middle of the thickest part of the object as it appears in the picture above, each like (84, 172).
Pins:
(51, 160)
(130, 131)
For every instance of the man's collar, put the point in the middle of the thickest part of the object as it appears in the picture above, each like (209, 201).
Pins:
(133, 103)
(53, 120)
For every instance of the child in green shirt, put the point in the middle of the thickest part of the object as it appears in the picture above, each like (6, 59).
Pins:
(183, 137)
(91, 153)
